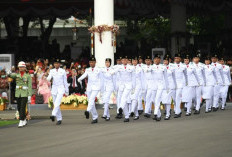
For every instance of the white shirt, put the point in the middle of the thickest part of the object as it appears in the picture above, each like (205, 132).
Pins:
(171, 76)
(200, 72)
(210, 75)
(219, 73)
(59, 80)
(149, 79)
(95, 80)
(160, 76)
(109, 80)
(139, 77)
(192, 77)
(181, 75)
(226, 73)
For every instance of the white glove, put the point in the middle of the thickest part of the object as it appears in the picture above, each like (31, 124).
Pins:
(29, 100)
(9, 72)
(79, 81)
(66, 93)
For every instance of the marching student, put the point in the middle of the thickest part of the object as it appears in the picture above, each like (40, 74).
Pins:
(221, 81)
(160, 78)
(189, 91)
(94, 86)
(199, 89)
(181, 81)
(150, 86)
(108, 88)
(227, 77)
(126, 73)
(59, 88)
(208, 88)
(139, 86)
(142, 93)
(169, 95)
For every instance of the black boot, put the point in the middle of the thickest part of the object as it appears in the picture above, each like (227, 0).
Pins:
(126, 120)
(197, 112)
(94, 121)
(132, 114)
(52, 118)
(58, 122)
(155, 117)
(136, 118)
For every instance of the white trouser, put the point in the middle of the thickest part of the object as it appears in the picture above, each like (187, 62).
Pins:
(216, 96)
(91, 103)
(106, 100)
(168, 108)
(56, 110)
(135, 97)
(148, 101)
(141, 97)
(208, 104)
(124, 94)
(178, 100)
(197, 100)
(158, 99)
(224, 92)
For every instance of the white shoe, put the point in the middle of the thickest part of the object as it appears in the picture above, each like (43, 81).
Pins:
(20, 124)
(25, 122)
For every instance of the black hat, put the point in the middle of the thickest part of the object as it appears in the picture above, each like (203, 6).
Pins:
(178, 55)
(92, 58)
(124, 57)
(207, 58)
(157, 56)
(147, 57)
(198, 55)
(140, 57)
(187, 56)
(221, 59)
(135, 58)
(167, 57)
(214, 55)
(57, 61)
(119, 58)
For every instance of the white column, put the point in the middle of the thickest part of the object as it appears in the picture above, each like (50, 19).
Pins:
(178, 24)
(103, 15)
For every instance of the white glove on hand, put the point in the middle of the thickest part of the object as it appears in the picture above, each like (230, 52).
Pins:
(29, 100)
(9, 72)
(66, 93)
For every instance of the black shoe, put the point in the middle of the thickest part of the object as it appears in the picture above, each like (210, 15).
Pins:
(147, 115)
(107, 118)
(58, 122)
(140, 112)
(136, 118)
(94, 121)
(194, 108)
(119, 116)
(126, 120)
(103, 117)
(214, 109)
(120, 111)
(158, 119)
(222, 108)
(185, 109)
(217, 108)
(86, 114)
(132, 114)
(197, 112)
(155, 117)
(206, 111)
(52, 118)
(165, 112)
(167, 118)
(188, 114)
(177, 116)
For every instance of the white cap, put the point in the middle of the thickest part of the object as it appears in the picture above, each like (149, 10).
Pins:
(21, 64)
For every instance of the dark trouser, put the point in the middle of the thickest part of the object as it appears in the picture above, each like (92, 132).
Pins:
(21, 105)
(74, 90)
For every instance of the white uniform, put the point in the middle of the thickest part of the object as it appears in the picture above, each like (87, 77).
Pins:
(169, 95)
(142, 94)
(199, 89)
(108, 88)
(208, 88)
(227, 77)
(94, 85)
(127, 83)
(189, 91)
(139, 86)
(117, 83)
(150, 86)
(160, 77)
(59, 87)
(219, 85)
(181, 81)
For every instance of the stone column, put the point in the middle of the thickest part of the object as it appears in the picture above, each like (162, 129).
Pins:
(103, 15)
(178, 24)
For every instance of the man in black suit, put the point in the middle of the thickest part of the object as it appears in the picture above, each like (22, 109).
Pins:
(75, 86)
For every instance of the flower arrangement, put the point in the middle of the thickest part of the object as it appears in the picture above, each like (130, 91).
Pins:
(74, 99)
(103, 28)
(3, 101)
